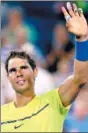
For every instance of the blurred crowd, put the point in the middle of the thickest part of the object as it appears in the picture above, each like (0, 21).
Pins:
(54, 67)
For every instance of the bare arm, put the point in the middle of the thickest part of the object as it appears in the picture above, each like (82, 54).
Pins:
(72, 85)
(70, 88)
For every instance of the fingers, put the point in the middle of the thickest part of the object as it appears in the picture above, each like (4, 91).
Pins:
(69, 7)
(66, 14)
(72, 11)
(75, 10)
(80, 12)
(64, 11)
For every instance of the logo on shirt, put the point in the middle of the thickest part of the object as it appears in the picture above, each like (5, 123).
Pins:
(18, 126)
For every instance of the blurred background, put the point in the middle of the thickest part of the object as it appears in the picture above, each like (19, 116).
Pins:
(38, 27)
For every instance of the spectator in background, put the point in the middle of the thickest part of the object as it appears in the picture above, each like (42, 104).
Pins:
(9, 32)
(4, 14)
(18, 35)
(62, 45)
(24, 44)
(16, 22)
(6, 45)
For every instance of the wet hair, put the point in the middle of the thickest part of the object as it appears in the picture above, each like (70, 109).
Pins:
(22, 55)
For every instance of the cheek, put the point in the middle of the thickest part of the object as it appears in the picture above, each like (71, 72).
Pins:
(13, 82)
(29, 76)
(12, 79)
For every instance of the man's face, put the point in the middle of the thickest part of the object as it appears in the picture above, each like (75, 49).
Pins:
(21, 75)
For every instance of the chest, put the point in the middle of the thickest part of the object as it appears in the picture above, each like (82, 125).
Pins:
(36, 119)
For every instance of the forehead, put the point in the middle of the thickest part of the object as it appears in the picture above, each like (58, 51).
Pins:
(17, 62)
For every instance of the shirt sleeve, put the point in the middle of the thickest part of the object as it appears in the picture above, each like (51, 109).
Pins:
(56, 103)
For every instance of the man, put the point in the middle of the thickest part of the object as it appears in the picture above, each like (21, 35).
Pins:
(46, 113)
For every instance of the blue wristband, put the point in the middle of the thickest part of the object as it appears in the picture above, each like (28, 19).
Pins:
(81, 50)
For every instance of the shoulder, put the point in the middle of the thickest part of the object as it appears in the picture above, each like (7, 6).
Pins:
(54, 99)
(51, 97)
(4, 111)
(5, 107)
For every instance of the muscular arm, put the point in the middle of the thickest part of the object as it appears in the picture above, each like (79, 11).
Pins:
(70, 88)
(80, 72)
(72, 85)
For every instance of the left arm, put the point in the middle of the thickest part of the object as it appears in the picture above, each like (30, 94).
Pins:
(78, 26)
(70, 88)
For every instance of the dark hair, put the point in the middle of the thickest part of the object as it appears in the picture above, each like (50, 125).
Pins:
(22, 55)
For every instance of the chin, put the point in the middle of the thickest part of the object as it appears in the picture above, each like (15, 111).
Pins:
(21, 88)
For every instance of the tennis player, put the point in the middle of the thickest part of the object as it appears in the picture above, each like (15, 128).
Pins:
(45, 113)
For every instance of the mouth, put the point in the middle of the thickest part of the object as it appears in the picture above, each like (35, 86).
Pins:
(21, 82)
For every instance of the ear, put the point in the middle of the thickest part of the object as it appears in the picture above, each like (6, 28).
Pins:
(35, 72)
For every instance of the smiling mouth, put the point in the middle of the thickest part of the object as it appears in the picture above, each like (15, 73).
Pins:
(21, 82)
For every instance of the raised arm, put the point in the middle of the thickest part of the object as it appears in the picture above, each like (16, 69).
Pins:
(76, 24)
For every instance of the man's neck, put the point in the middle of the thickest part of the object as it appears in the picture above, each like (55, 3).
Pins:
(22, 100)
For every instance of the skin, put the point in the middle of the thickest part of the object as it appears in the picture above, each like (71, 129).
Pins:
(22, 80)
(70, 88)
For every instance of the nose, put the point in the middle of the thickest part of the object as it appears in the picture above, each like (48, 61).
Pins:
(19, 73)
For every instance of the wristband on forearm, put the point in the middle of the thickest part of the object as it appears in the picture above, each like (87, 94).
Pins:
(81, 50)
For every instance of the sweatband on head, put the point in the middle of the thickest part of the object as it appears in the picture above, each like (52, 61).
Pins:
(81, 50)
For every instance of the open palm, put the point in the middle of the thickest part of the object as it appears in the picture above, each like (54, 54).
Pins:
(77, 23)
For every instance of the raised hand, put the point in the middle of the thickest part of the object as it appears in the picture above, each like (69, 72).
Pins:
(75, 20)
